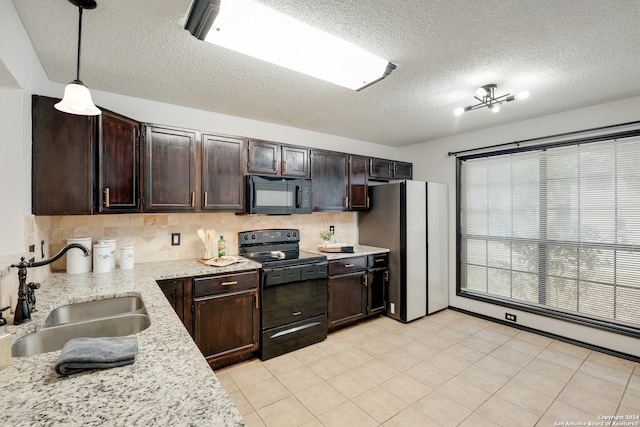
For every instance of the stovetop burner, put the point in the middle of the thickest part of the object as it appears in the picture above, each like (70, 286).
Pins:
(275, 247)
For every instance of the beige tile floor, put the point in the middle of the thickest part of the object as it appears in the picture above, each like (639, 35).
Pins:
(447, 369)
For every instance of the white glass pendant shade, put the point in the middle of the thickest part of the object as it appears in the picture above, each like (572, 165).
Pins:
(77, 100)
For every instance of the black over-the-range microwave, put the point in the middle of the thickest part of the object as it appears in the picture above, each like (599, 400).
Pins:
(278, 196)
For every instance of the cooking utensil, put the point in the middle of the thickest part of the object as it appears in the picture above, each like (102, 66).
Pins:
(202, 236)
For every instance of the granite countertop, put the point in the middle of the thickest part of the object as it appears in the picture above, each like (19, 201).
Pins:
(358, 250)
(170, 382)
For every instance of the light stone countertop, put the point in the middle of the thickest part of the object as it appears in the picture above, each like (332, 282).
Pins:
(169, 384)
(358, 250)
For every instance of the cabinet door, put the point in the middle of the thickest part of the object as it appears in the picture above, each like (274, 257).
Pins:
(329, 180)
(402, 170)
(358, 183)
(346, 299)
(170, 169)
(222, 173)
(118, 164)
(377, 291)
(295, 161)
(264, 158)
(381, 168)
(178, 293)
(62, 160)
(226, 323)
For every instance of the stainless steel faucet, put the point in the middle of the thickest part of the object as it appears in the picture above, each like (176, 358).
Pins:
(26, 292)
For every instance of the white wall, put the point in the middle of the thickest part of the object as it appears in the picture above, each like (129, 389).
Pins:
(20, 75)
(12, 166)
(431, 163)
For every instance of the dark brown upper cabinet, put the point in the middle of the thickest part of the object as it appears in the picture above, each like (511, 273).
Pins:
(329, 180)
(358, 183)
(384, 170)
(103, 164)
(223, 160)
(270, 158)
(63, 167)
(118, 164)
(380, 168)
(169, 169)
(402, 170)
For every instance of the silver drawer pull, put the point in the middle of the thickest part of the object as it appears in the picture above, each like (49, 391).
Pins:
(349, 265)
(235, 282)
(297, 313)
(379, 259)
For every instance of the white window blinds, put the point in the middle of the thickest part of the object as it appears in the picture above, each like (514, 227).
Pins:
(555, 228)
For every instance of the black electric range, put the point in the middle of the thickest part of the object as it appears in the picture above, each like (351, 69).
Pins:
(293, 290)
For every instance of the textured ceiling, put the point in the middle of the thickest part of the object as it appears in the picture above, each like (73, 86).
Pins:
(568, 53)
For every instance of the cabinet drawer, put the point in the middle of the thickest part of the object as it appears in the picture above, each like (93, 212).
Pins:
(212, 285)
(347, 265)
(378, 261)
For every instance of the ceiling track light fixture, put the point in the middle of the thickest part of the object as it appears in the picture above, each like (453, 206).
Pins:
(77, 98)
(253, 29)
(486, 96)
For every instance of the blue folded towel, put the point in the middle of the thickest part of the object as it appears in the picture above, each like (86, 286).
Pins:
(81, 354)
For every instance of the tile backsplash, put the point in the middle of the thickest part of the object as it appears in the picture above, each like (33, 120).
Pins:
(150, 234)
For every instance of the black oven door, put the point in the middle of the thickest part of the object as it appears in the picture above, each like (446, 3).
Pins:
(293, 308)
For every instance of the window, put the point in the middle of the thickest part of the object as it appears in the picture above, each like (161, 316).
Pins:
(554, 229)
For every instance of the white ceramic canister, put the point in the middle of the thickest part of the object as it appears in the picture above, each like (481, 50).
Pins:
(126, 257)
(101, 258)
(112, 244)
(76, 261)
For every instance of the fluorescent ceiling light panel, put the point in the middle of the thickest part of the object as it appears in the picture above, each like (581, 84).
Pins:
(253, 29)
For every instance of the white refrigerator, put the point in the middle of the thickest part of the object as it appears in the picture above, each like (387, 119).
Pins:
(411, 219)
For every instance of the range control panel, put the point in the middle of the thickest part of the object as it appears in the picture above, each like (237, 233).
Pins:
(279, 235)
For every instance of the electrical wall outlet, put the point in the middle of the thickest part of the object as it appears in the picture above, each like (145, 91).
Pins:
(332, 230)
(510, 317)
(175, 239)
(392, 308)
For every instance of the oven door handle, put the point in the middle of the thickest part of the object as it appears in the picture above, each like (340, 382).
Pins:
(296, 329)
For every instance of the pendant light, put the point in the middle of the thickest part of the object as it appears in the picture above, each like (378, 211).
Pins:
(77, 98)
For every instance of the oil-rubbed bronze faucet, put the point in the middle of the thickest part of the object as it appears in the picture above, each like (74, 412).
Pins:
(26, 292)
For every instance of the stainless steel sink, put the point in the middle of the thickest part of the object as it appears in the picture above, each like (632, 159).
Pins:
(110, 317)
(89, 310)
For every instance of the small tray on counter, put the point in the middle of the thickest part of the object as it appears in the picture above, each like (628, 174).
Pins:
(223, 261)
(345, 249)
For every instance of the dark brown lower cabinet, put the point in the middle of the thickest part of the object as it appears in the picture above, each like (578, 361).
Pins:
(357, 289)
(347, 303)
(226, 317)
(178, 293)
(377, 291)
(346, 299)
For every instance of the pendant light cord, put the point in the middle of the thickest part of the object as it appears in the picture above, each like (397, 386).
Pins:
(79, 42)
